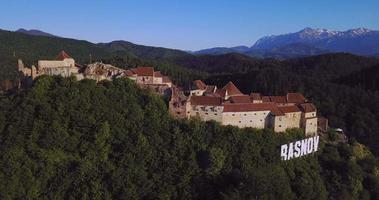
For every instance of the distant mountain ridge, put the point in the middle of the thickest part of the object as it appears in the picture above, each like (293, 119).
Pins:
(141, 51)
(308, 42)
(35, 32)
(222, 50)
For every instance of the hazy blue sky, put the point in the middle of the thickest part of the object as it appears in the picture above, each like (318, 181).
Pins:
(189, 25)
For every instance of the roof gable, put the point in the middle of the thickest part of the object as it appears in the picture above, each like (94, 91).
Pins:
(158, 74)
(199, 85)
(62, 55)
(144, 71)
(308, 107)
(231, 89)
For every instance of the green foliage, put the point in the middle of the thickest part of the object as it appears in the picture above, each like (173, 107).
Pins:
(64, 139)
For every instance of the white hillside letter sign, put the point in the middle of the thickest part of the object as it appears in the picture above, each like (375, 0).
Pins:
(299, 148)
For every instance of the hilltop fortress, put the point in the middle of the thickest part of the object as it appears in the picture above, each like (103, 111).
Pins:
(65, 66)
(229, 106)
(226, 105)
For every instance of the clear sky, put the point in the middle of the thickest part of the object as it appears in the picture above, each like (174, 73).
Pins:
(188, 25)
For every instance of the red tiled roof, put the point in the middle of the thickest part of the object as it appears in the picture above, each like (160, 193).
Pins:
(144, 71)
(256, 96)
(240, 99)
(295, 98)
(129, 73)
(278, 99)
(307, 107)
(248, 107)
(205, 100)
(220, 92)
(62, 55)
(289, 109)
(232, 89)
(199, 85)
(158, 74)
(276, 112)
(210, 89)
(166, 79)
(266, 99)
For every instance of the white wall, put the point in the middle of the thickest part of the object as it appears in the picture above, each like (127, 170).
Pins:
(158, 80)
(197, 92)
(145, 79)
(68, 62)
(293, 119)
(206, 113)
(256, 119)
(311, 126)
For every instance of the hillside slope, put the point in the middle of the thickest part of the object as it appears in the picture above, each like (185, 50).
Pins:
(64, 139)
(367, 79)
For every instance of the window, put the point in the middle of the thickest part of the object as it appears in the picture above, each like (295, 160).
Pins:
(251, 120)
(280, 125)
(232, 114)
(206, 113)
(239, 121)
(215, 113)
(255, 113)
(244, 114)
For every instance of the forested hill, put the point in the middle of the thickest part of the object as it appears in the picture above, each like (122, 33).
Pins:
(367, 79)
(64, 139)
(141, 51)
(42, 47)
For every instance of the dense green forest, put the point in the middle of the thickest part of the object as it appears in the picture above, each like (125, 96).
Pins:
(64, 139)
(367, 79)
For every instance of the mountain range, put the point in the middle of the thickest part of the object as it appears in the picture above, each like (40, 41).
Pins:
(35, 32)
(307, 42)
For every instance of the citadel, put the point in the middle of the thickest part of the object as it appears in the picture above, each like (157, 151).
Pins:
(226, 105)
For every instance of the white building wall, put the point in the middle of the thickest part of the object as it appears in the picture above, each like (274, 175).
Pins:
(157, 80)
(310, 126)
(197, 92)
(309, 114)
(293, 119)
(278, 123)
(255, 119)
(68, 62)
(145, 79)
(206, 113)
(62, 71)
